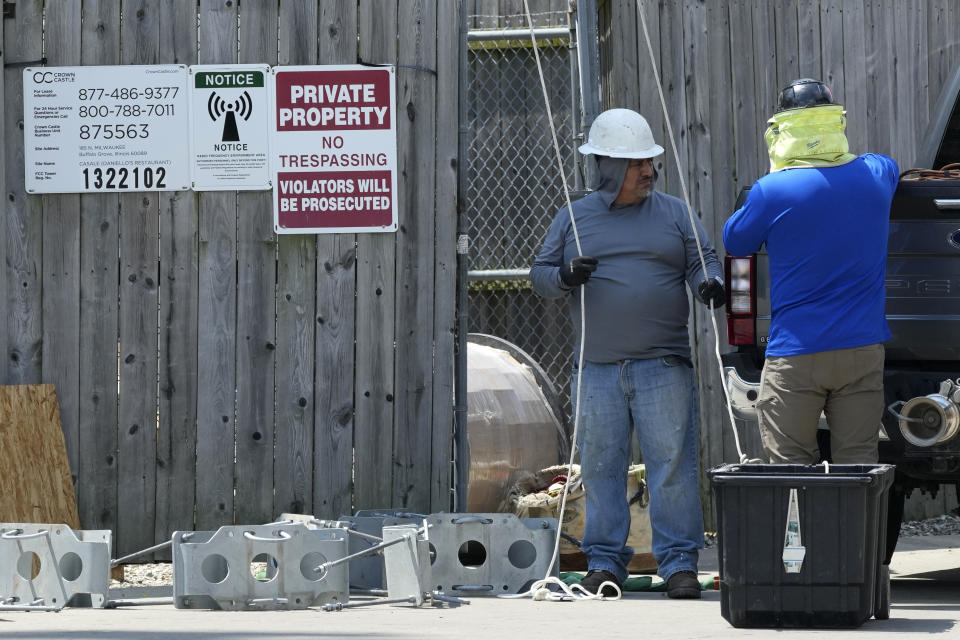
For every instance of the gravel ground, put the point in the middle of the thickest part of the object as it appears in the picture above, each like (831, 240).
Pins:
(939, 526)
(145, 575)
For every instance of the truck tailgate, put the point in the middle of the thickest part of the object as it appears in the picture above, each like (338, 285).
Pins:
(923, 271)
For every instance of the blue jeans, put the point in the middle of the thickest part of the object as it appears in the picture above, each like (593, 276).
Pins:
(656, 397)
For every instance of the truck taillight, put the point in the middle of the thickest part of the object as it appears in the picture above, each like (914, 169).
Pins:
(741, 300)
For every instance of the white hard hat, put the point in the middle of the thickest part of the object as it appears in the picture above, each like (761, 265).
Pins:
(621, 133)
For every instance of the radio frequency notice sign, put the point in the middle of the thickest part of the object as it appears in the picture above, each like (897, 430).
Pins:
(90, 129)
(334, 149)
(229, 126)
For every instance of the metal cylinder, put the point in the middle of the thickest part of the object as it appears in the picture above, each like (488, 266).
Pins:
(929, 420)
(512, 424)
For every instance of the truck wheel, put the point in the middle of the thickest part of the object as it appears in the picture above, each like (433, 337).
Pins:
(882, 609)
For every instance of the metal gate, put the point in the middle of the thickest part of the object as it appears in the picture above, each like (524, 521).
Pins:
(514, 187)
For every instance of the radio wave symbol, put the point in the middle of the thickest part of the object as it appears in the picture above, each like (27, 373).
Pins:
(217, 107)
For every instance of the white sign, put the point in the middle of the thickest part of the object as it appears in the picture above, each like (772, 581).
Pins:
(89, 129)
(229, 121)
(334, 149)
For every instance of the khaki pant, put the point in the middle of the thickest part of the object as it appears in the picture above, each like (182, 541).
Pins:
(846, 385)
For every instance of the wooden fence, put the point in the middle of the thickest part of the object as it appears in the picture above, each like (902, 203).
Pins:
(722, 63)
(208, 371)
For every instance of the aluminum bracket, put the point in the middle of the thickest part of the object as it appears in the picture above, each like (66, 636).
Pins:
(489, 553)
(258, 567)
(50, 566)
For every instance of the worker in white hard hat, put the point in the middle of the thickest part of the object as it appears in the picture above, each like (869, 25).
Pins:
(639, 249)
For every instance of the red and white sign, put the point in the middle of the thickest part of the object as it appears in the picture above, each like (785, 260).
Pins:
(333, 143)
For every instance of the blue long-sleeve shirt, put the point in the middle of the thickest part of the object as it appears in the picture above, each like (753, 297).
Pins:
(636, 299)
(826, 235)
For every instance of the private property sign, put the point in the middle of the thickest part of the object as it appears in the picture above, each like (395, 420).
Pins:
(333, 144)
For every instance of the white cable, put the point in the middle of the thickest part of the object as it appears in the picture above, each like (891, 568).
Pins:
(693, 225)
(583, 315)
(540, 591)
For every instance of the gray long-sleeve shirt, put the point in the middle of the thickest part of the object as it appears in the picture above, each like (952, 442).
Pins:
(636, 300)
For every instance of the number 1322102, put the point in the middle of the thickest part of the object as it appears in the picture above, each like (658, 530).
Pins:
(102, 178)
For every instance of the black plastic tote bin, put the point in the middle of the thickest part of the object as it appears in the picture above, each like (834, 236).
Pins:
(843, 527)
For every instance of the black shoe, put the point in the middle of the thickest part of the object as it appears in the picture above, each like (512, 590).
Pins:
(683, 584)
(592, 581)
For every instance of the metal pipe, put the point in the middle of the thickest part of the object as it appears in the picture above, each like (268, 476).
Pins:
(142, 602)
(339, 606)
(360, 591)
(143, 552)
(442, 597)
(499, 274)
(259, 601)
(336, 524)
(574, 66)
(487, 35)
(462, 451)
(323, 568)
(18, 534)
(588, 60)
(281, 536)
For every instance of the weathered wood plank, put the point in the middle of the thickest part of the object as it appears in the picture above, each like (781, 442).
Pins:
(673, 79)
(747, 122)
(416, 136)
(257, 434)
(831, 26)
(217, 504)
(137, 413)
(810, 48)
(855, 74)
(765, 85)
(646, 83)
(700, 105)
(786, 23)
(878, 44)
(953, 26)
(940, 39)
(24, 222)
(445, 262)
(628, 59)
(99, 292)
(911, 106)
(699, 176)
(4, 280)
(296, 304)
(376, 293)
(61, 257)
(178, 300)
(336, 316)
(137, 408)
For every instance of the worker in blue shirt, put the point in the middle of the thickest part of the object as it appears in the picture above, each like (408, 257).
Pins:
(639, 254)
(823, 214)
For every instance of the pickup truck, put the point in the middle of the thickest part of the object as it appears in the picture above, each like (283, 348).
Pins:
(920, 431)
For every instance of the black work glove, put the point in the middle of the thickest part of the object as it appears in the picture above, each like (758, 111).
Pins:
(578, 271)
(711, 290)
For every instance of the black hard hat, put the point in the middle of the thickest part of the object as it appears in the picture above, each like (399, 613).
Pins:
(805, 92)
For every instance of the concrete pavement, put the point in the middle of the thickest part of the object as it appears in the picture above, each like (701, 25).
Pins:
(926, 600)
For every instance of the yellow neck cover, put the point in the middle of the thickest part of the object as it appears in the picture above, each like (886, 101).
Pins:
(811, 137)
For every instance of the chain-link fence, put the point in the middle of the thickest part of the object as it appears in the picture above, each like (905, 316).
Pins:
(515, 187)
